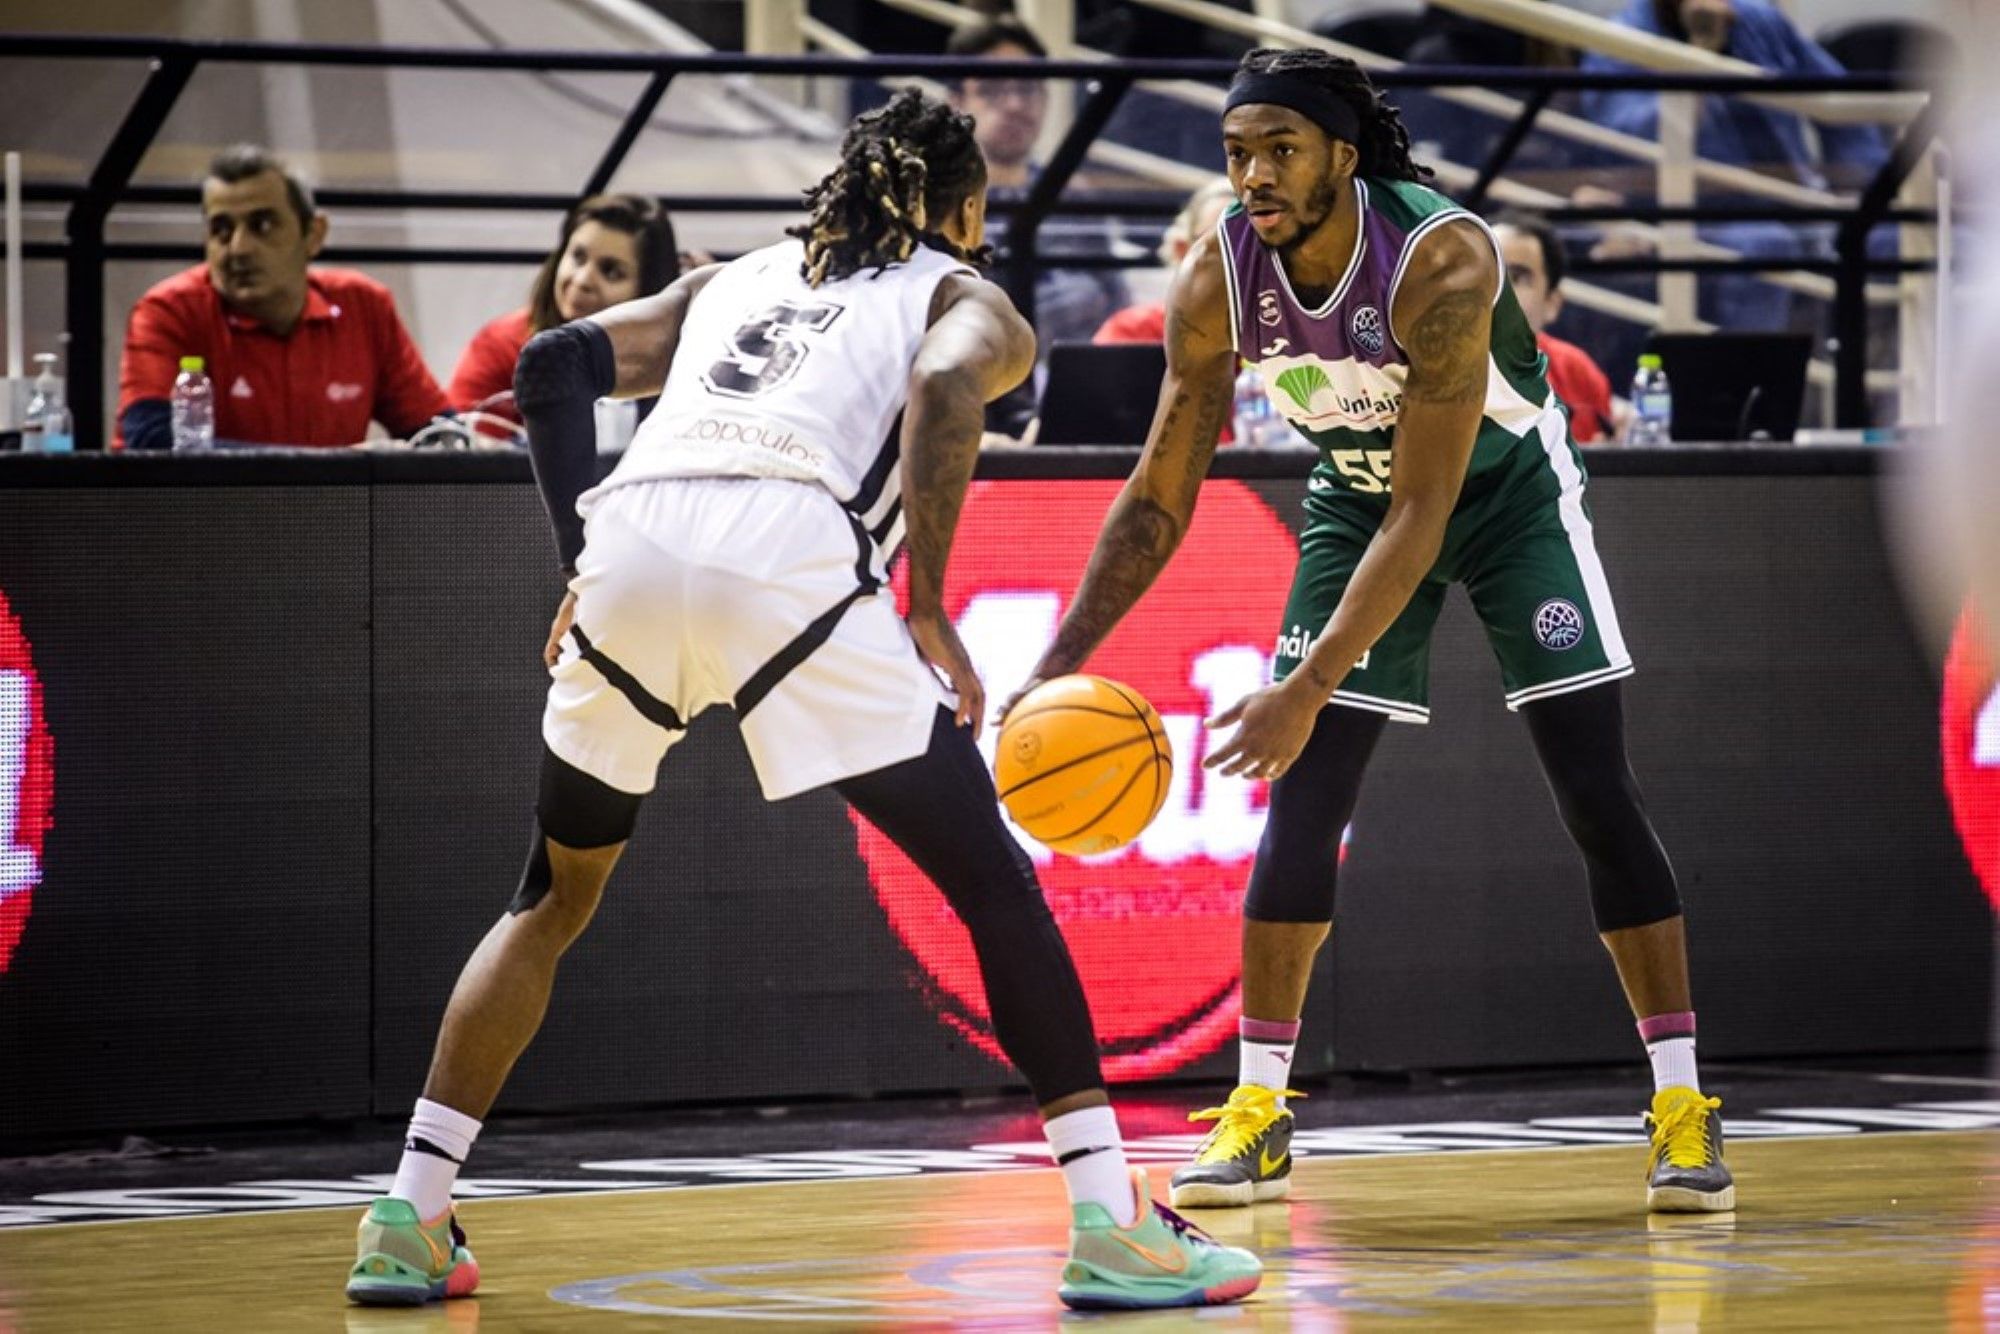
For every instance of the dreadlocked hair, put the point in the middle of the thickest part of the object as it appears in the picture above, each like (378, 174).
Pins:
(903, 168)
(1385, 144)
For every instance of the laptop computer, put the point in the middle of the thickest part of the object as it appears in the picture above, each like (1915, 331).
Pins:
(1735, 386)
(1101, 393)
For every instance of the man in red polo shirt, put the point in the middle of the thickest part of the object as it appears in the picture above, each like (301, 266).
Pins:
(298, 355)
(1533, 254)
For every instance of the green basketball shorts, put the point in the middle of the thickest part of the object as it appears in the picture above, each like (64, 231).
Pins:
(1520, 541)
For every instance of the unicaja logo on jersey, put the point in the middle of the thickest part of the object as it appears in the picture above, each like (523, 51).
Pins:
(1558, 624)
(1300, 383)
(27, 782)
(1155, 926)
(1366, 326)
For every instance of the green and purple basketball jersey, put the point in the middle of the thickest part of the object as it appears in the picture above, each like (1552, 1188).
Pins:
(1520, 535)
(1336, 371)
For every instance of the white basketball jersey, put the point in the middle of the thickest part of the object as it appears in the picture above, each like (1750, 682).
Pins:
(773, 378)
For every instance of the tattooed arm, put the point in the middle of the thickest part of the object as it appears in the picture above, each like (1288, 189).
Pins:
(1444, 314)
(1151, 515)
(977, 348)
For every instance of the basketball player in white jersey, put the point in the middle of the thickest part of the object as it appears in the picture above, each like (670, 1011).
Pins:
(737, 557)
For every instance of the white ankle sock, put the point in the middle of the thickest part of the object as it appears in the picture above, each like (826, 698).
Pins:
(425, 1175)
(1265, 1064)
(1669, 1040)
(1673, 1064)
(1086, 1145)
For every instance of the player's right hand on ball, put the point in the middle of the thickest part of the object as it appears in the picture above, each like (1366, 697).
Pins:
(937, 639)
(1007, 705)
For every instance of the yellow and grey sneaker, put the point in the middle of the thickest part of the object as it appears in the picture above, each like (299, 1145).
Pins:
(1246, 1158)
(1685, 1174)
(1162, 1260)
(400, 1260)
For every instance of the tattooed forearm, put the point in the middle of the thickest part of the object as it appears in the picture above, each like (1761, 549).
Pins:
(1211, 409)
(1448, 349)
(940, 449)
(1139, 538)
(1193, 422)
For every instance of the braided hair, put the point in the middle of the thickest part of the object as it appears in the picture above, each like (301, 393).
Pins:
(1385, 144)
(904, 167)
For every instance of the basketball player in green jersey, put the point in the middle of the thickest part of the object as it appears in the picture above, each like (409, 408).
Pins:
(1380, 316)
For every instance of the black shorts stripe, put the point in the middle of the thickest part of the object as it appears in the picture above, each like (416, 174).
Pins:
(878, 472)
(879, 534)
(655, 711)
(767, 677)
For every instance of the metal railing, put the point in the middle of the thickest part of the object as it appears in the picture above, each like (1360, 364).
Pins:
(172, 64)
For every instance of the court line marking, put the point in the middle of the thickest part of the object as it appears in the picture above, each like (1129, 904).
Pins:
(361, 1201)
(1948, 1081)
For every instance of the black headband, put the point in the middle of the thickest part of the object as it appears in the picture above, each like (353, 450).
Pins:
(1315, 103)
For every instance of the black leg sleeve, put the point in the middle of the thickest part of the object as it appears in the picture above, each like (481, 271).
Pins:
(941, 810)
(1580, 738)
(1299, 858)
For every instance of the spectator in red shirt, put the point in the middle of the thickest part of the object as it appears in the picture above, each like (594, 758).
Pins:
(1533, 254)
(1146, 322)
(611, 248)
(298, 355)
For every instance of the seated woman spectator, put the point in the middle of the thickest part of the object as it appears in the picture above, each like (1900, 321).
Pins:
(612, 248)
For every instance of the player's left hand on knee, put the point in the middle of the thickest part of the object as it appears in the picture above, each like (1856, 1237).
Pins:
(1272, 727)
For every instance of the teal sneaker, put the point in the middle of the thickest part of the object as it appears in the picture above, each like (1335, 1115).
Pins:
(1161, 1260)
(401, 1260)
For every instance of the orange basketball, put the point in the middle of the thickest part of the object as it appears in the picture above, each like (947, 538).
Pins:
(1083, 764)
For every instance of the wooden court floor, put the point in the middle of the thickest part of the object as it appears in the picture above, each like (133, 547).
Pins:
(1875, 1232)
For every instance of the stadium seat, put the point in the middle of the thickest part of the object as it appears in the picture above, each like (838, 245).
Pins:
(1908, 48)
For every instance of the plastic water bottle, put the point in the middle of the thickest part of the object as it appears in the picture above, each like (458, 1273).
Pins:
(47, 424)
(1253, 415)
(193, 407)
(1652, 403)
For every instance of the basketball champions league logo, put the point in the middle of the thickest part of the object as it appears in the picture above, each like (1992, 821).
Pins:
(1366, 326)
(1558, 625)
(27, 782)
(1154, 926)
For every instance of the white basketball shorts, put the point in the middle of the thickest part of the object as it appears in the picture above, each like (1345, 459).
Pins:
(764, 596)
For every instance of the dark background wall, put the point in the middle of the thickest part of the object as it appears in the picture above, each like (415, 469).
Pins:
(295, 731)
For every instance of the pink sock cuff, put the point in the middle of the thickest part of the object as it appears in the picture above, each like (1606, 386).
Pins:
(1659, 1027)
(1269, 1030)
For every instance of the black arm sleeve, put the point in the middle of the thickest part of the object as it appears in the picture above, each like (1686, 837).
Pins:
(561, 375)
(148, 424)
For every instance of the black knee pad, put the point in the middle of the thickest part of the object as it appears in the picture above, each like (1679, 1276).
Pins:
(569, 360)
(579, 811)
